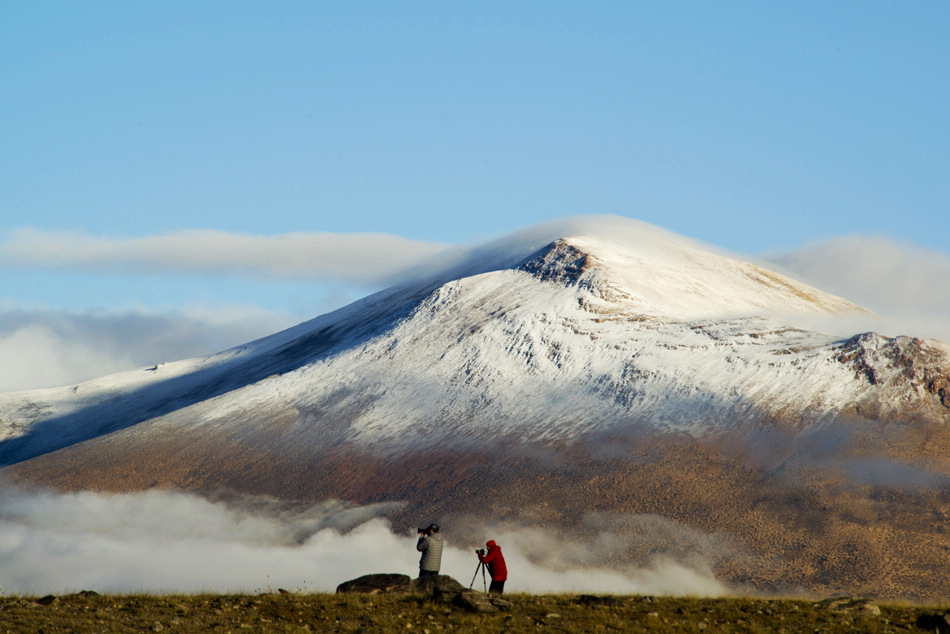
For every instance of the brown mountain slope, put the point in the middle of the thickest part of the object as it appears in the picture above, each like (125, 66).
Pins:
(857, 508)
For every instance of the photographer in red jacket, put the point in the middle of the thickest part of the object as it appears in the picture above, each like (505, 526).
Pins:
(496, 566)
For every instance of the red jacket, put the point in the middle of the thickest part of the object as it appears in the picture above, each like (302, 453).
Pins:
(495, 561)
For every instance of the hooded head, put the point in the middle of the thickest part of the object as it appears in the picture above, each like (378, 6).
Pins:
(491, 543)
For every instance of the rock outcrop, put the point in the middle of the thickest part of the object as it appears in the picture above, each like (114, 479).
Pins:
(441, 589)
(377, 583)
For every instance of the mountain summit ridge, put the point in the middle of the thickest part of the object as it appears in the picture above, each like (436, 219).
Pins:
(684, 283)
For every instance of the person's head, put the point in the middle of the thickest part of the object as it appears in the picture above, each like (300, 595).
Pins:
(491, 543)
(432, 528)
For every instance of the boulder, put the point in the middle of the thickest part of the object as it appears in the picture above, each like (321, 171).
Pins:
(850, 604)
(377, 583)
(441, 588)
(437, 586)
(446, 590)
(476, 602)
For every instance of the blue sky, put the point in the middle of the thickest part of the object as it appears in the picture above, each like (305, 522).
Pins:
(759, 127)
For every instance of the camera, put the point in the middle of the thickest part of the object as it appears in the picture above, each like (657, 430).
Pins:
(421, 531)
(480, 551)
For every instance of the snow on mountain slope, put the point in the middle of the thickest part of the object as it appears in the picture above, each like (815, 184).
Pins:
(554, 349)
(670, 279)
(527, 338)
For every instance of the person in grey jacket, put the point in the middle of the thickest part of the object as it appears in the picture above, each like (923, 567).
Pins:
(430, 545)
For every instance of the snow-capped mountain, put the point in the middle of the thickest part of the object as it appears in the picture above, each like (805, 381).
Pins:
(584, 334)
(617, 381)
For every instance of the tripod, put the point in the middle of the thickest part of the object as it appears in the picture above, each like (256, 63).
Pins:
(481, 566)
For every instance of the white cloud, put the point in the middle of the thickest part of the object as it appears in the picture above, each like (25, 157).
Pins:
(906, 285)
(51, 347)
(47, 348)
(549, 562)
(159, 541)
(356, 258)
(37, 356)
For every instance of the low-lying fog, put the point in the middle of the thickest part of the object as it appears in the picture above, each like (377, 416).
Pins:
(166, 541)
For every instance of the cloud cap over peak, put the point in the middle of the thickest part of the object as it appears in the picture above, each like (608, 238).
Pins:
(907, 285)
(356, 258)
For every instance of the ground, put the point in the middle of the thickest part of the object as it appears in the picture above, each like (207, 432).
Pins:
(288, 612)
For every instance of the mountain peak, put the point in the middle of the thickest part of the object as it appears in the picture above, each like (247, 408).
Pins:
(559, 262)
(660, 274)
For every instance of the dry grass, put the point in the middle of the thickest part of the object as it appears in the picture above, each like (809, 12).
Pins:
(286, 612)
(770, 513)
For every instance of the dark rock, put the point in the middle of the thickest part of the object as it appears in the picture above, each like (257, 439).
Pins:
(558, 262)
(377, 583)
(940, 386)
(437, 586)
(476, 602)
(446, 590)
(596, 599)
(49, 599)
(938, 623)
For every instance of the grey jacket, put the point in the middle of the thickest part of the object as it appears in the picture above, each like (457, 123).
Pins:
(431, 549)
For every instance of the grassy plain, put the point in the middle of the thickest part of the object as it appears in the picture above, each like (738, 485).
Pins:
(288, 612)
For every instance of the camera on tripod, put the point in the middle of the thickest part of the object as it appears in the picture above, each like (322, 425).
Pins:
(480, 551)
